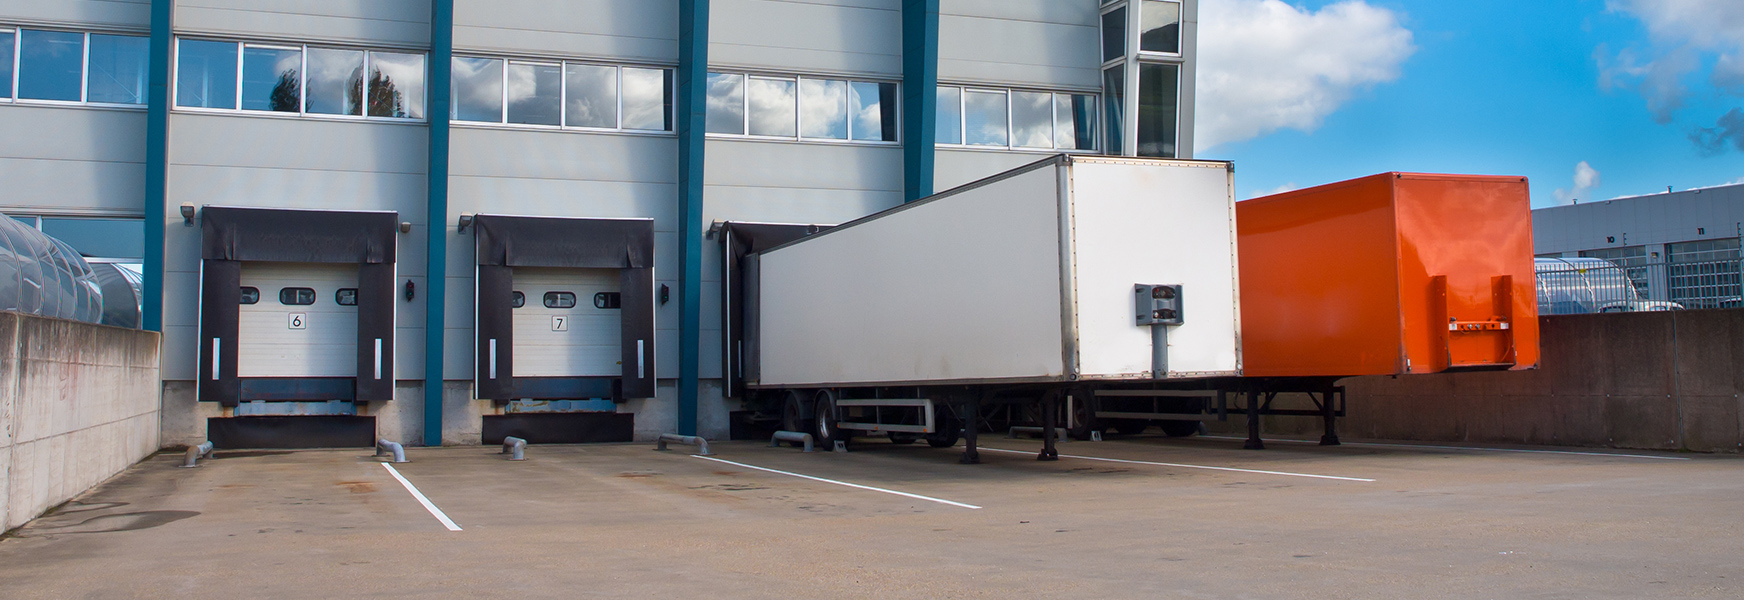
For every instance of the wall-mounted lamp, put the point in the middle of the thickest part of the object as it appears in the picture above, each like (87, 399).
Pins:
(665, 293)
(465, 222)
(411, 290)
(188, 214)
(405, 226)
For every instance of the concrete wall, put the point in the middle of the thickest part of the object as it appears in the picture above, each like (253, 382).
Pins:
(1662, 380)
(78, 404)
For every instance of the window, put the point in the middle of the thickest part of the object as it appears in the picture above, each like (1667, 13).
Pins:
(50, 65)
(345, 297)
(1157, 101)
(1016, 119)
(608, 300)
(802, 108)
(1160, 27)
(250, 295)
(99, 238)
(560, 94)
(1704, 274)
(117, 69)
(8, 41)
(71, 66)
(559, 300)
(296, 296)
(517, 300)
(1114, 34)
(299, 79)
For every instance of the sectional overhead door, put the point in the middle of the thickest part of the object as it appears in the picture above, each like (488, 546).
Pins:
(567, 322)
(298, 320)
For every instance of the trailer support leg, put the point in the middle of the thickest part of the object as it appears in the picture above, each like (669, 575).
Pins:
(1253, 423)
(1050, 410)
(971, 426)
(1329, 411)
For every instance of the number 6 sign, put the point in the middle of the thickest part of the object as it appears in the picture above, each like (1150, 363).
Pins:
(299, 321)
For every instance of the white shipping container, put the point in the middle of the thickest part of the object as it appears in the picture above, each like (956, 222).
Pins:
(1027, 276)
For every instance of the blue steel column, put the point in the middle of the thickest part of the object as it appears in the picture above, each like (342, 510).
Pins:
(920, 98)
(692, 109)
(436, 215)
(157, 146)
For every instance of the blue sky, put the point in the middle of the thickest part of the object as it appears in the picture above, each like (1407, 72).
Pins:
(1507, 88)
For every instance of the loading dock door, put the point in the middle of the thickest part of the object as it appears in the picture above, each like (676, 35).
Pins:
(567, 324)
(302, 321)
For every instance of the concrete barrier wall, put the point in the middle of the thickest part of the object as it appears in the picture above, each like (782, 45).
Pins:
(78, 404)
(1661, 380)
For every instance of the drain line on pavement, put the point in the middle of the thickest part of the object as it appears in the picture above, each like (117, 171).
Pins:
(436, 512)
(842, 483)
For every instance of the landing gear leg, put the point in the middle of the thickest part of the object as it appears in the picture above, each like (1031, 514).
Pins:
(1253, 423)
(1050, 412)
(971, 426)
(1329, 411)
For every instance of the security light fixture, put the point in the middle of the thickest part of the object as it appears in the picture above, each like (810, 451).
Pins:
(188, 214)
(411, 290)
(405, 226)
(465, 222)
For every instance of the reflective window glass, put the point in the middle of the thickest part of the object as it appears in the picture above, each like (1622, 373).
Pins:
(517, 300)
(559, 300)
(396, 85)
(648, 99)
(874, 111)
(296, 296)
(7, 42)
(726, 103)
(1114, 105)
(1157, 85)
(345, 297)
(592, 92)
(118, 69)
(1160, 27)
(99, 238)
(535, 94)
(984, 118)
(1114, 34)
(950, 123)
(206, 74)
(772, 107)
(478, 90)
(823, 106)
(1075, 122)
(334, 82)
(608, 300)
(1032, 120)
(272, 79)
(51, 64)
(250, 295)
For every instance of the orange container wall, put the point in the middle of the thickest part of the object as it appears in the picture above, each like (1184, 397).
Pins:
(1391, 274)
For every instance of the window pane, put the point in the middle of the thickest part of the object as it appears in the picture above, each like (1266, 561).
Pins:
(950, 128)
(773, 106)
(1032, 120)
(824, 106)
(7, 41)
(1114, 34)
(874, 106)
(117, 69)
(1160, 27)
(984, 118)
(1156, 110)
(335, 82)
(648, 99)
(535, 94)
(726, 103)
(50, 64)
(206, 74)
(1075, 115)
(478, 90)
(396, 85)
(272, 79)
(593, 96)
(1114, 105)
(99, 238)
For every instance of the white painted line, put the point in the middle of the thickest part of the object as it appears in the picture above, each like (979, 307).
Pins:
(844, 483)
(1208, 468)
(437, 512)
(1569, 452)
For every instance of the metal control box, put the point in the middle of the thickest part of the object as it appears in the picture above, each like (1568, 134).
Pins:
(1158, 305)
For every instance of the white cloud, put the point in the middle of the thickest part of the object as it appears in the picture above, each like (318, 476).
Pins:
(1586, 179)
(1684, 33)
(1265, 65)
(1288, 187)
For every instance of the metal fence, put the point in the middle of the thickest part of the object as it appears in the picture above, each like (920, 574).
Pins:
(1592, 285)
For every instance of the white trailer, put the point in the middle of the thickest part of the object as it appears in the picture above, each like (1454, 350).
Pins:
(1067, 276)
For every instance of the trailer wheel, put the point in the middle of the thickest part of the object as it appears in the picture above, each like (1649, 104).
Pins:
(903, 439)
(793, 415)
(826, 432)
(1084, 417)
(944, 439)
(1179, 428)
(1131, 426)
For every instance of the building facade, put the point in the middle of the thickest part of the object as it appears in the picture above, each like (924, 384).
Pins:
(440, 214)
(1679, 247)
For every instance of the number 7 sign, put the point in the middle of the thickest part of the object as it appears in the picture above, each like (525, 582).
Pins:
(559, 323)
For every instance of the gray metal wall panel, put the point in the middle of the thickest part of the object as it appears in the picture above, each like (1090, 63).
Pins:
(860, 37)
(370, 22)
(58, 160)
(1021, 43)
(1691, 215)
(958, 167)
(635, 31)
(95, 14)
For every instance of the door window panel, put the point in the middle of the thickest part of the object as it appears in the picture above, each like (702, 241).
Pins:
(592, 96)
(51, 65)
(335, 82)
(272, 79)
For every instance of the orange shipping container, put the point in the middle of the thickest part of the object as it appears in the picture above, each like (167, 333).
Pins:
(1390, 274)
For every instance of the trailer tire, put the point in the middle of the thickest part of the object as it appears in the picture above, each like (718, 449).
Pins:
(1179, 428)
(793, 415)
(1131, 426)
(1083, 417)
(826, 432)
(943, 439)
(902, 439)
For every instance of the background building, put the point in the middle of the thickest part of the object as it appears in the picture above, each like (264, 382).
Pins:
(1681, 247)
(302, 182)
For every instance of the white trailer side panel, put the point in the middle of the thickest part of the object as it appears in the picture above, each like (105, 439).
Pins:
(1155, 223)
(962, 288)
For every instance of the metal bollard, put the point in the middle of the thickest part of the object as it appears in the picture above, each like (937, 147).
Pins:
(701, 444)
(515, 446)
(792, 436)
(387, 447)
(195, 453)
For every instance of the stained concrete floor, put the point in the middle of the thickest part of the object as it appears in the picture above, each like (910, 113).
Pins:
(623, 521)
